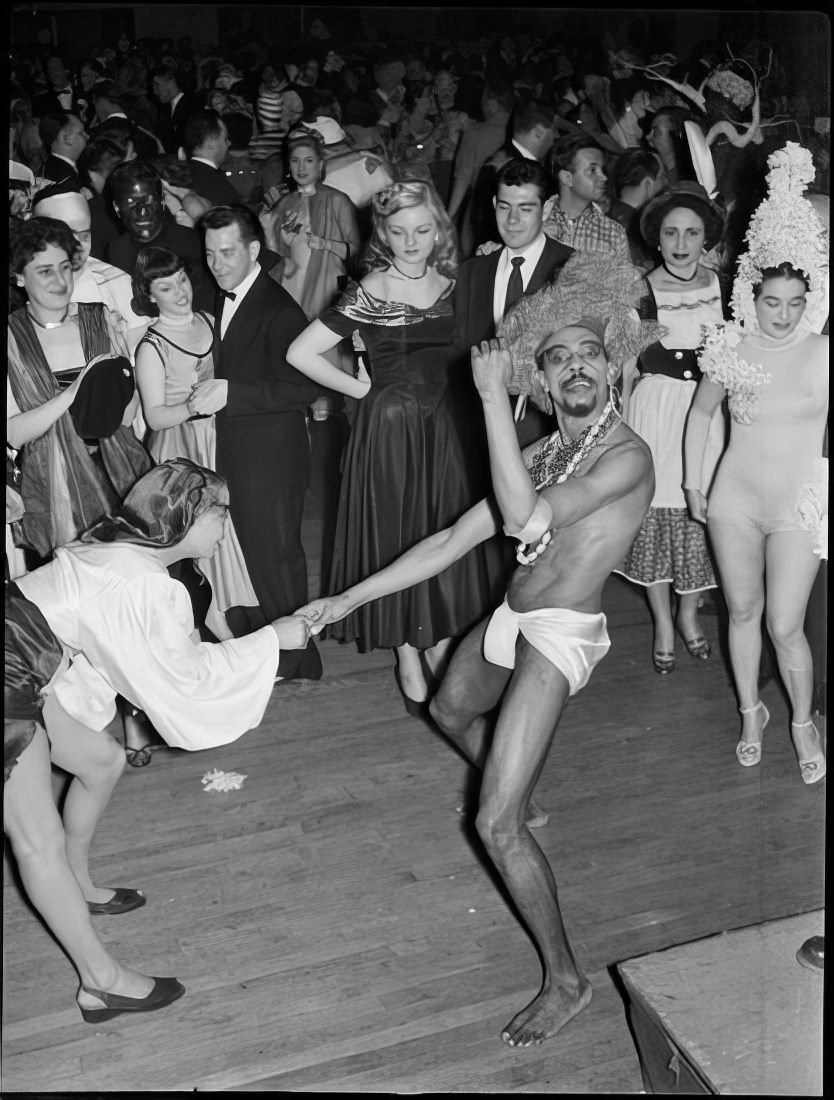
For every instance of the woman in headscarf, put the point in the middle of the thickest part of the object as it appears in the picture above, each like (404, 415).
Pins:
(105, 616)
(110, 597)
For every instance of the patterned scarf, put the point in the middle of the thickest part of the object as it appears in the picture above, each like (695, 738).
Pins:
(63, 489)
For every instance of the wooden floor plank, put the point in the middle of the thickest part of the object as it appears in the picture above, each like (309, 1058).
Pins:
(336, 924)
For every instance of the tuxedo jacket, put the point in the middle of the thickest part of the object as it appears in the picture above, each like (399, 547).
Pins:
(253, 355)
(60, 171)
(476, 286)
(212, 184)
(169, 127)
(263, 450)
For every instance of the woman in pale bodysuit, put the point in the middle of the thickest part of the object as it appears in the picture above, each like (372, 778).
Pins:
(765, 512)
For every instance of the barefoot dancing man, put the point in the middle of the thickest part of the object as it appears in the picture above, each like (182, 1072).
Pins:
(574, 501)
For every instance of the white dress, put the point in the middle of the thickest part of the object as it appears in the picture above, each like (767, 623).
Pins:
(130, 629)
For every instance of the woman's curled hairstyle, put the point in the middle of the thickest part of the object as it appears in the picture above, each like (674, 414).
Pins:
(401, 195)
(27, 239)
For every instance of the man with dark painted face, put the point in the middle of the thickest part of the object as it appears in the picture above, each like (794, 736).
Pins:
(136, 194)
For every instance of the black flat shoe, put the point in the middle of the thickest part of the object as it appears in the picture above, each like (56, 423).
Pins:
(164, 992)
(122, 901)
(416, 708)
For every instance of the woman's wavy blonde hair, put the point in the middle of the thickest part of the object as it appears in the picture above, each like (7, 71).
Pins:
(401, 195)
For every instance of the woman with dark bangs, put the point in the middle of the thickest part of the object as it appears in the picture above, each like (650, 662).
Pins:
(174, 362)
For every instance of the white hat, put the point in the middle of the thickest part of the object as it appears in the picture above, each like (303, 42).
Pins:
(329, 129)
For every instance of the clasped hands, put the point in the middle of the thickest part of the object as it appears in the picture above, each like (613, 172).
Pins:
(294, 630)
(318, 614)
(208, 397)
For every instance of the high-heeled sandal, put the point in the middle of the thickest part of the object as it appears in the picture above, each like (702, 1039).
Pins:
(811, 768)
(698, 647)
(749, 753)
(664, 663)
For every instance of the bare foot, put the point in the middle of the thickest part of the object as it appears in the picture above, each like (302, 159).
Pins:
(545, 1015)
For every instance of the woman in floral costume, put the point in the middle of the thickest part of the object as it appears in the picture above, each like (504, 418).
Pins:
(767, 509)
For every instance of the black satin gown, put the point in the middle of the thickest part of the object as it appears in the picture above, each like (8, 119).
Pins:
(404, 477)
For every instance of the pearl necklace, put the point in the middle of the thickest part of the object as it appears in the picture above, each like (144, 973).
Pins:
(556, 457)
(176, 322)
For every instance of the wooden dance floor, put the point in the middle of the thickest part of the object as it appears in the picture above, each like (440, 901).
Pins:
(336, 927)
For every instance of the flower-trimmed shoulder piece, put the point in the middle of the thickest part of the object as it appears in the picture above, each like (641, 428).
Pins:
(785, 228)
(720, 362)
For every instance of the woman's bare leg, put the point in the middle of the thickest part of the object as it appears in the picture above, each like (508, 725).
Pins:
(412, 676)
(659, 597)
(791, 569)
(95, 761)
(688, 615)
(740, 557)
(437, 657)
(37, 839)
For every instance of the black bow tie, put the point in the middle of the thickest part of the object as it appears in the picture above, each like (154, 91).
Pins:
(230, 294)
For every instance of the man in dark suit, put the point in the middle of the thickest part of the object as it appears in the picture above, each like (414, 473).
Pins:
(109, 106)
(531, 136)
(63, 134)
(136, 193)
(263, 449)
(59, 96)
(488, 286)
(206, 142)
(176, 108)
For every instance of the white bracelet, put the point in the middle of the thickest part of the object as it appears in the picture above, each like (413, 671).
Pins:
(539, 521)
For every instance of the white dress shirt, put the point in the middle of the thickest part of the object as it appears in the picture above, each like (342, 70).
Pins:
(65, 97)
(230, 307)
(532, 254)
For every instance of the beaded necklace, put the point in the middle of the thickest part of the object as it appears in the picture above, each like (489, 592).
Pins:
(556, 460)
